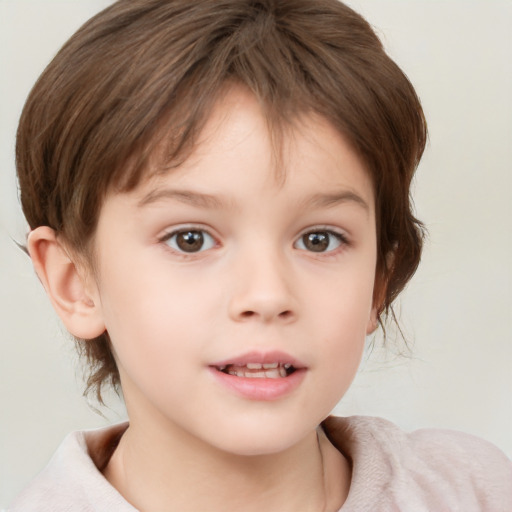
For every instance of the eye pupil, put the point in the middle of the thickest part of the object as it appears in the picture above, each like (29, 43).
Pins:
(316, 242)
(190, 241)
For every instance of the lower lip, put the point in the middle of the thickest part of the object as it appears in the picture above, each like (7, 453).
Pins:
(261, 389)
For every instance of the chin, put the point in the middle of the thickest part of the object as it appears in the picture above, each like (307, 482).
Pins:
(261, 438)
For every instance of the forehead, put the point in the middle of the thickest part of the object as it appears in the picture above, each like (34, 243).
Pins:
(240, 134)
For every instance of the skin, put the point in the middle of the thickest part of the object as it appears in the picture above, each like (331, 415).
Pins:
(254, 286)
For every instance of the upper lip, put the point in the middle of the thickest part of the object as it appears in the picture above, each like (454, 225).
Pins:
(260, 358)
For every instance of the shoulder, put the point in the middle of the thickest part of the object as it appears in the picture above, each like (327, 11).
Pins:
(72, 481)
(428, 469)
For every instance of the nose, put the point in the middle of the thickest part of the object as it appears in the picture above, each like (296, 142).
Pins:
(262, 290)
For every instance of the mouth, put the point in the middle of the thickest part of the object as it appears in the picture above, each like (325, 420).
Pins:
(258, 370)
(260, 376)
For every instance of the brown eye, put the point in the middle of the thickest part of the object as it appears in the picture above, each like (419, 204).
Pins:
(190, 241)
(316, 242)
(320, 241)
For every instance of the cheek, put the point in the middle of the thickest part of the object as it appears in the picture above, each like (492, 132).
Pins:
(341, 316)
(152, 316)
(346, 299)
(344, 336)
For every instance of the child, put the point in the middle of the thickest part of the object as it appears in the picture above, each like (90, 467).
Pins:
(218, 193)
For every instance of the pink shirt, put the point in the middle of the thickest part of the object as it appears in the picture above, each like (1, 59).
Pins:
(426, 470)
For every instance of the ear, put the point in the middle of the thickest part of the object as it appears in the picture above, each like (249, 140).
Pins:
(379, 294)
(379, 298)
(373, 321)
(74, 297)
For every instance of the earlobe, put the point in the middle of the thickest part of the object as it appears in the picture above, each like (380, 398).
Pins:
(380, 292)
(378, 306)
(373, 321)
(74, 299)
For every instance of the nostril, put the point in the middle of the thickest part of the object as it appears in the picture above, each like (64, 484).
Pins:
(284, 315)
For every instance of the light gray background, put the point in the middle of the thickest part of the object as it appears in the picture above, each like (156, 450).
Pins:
(457, 310)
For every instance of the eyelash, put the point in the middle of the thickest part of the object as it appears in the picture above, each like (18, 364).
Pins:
(340, 238)
(168, 237)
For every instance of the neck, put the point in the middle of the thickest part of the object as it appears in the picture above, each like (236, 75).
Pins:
(157, 471)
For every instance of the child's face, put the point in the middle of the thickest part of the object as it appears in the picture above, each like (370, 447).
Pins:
(218, 262)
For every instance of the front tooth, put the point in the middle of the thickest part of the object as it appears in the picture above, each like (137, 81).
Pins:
(254, 366)
(273, 374)
(255, 375)
(270, 366)
(282, 372)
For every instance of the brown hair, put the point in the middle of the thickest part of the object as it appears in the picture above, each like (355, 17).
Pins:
(143, 72)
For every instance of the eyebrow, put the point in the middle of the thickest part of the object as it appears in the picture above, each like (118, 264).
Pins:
(336, 198)
(185, 196)
(208, 201)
